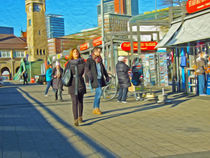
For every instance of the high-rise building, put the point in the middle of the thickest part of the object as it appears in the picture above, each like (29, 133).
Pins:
(6, 30)
(127, 7)
(55, 25)
(108, 7)
(36, 29)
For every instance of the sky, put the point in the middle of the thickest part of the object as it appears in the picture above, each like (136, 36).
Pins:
(78, 14)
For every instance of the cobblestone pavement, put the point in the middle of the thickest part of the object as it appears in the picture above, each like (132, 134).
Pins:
(35, 126)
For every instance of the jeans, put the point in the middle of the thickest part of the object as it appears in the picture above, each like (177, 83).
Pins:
(56, 94)
(122, 94)
(77, 105)
(98, 93)
(201, 83)
(48, 86)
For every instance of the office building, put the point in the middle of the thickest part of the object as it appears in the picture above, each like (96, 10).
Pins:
(126, 7)
(108, 7)
(6, 30)
(55, 25)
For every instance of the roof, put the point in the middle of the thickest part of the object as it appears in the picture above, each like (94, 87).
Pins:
(162, 14)
(195, 27)
(12, 42)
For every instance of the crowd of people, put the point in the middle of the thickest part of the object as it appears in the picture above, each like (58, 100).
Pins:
(92, 71)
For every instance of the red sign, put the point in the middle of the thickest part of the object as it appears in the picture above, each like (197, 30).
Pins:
(197, 5)
(97, 41)
(126, 46)
(84, 46)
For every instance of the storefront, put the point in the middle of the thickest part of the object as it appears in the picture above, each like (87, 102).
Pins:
(188, 40)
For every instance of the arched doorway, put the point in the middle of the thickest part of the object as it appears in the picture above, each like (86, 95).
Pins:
(5, 72)
(16, 70)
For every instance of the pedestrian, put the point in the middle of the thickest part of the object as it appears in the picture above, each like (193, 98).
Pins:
(77, 87)
(57, 82)
(123, 79)
(25, 77)
(48, 78)
(97, 75)
(200, 72)
(137, 77)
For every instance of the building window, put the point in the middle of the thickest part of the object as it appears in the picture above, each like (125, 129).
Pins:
(40, 52)
(44, 51)
(18, 54)
(29, 22)
(39, 32)
(36, 7)
(37, 52)
(5, 54)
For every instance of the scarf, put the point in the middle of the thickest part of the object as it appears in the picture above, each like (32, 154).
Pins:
(97, 59)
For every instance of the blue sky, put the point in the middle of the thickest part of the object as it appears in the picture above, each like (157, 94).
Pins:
(78, 14)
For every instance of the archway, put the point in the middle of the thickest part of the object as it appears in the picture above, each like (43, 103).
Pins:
(5, 72)
(16, 70)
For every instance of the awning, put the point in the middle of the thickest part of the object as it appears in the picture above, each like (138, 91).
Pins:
(169, 34)
(193, 29)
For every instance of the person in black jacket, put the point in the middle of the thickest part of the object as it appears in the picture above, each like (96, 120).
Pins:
(97, 75)
(77, 87)
(56, 82)
(123, 79)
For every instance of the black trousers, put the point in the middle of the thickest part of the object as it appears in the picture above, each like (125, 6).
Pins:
(77, 105)
(25, 81)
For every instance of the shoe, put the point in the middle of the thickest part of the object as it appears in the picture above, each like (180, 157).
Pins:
(202, 95)
(124, 102)
(97, 111)
(80, 120)
(118, 101)
(76, 123)
(61, 100)
(46, 95)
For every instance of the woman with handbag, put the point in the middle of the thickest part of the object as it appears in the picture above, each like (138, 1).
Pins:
(76, 87)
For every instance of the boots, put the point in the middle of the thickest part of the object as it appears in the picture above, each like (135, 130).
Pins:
(76, 123)
(97, 111)
(80, 119)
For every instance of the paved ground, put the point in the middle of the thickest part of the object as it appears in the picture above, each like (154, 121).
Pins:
(35, 126)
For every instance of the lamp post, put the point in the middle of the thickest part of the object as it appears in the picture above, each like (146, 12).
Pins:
(102, 27)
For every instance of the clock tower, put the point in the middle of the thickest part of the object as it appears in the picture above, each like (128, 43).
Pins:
(36, 29)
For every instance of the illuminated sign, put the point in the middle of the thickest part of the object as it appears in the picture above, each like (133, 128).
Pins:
(197, 5)
(97, 41)
(84, 46)
(126, 46)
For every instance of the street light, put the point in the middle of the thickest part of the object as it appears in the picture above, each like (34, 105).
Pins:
(102, 26)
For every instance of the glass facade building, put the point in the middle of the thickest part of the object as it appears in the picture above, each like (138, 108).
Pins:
(55, 25)
(108, 7)
(6, 30)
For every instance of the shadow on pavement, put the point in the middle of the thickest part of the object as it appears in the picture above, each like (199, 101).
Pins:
(143, 107)
(100, 149)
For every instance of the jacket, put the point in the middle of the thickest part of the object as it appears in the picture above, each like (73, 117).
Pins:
(122, 75)
(57, 83)
(49, 75)
(91, 72)
(77, 83)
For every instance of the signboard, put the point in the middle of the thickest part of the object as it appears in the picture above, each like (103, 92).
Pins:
(97, 41)
(84, 46)
(126, 46)
(197, 5)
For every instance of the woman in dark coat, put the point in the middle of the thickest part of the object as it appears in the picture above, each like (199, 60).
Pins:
(57, 83)
(77, 87)
(123, 79)
(97, 75)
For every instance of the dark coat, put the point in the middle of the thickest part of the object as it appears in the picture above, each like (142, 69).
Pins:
(91, 72)
(81, 88)
(56, 82)
(122, 75)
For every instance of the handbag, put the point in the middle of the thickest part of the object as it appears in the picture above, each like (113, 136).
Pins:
(66, 77)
